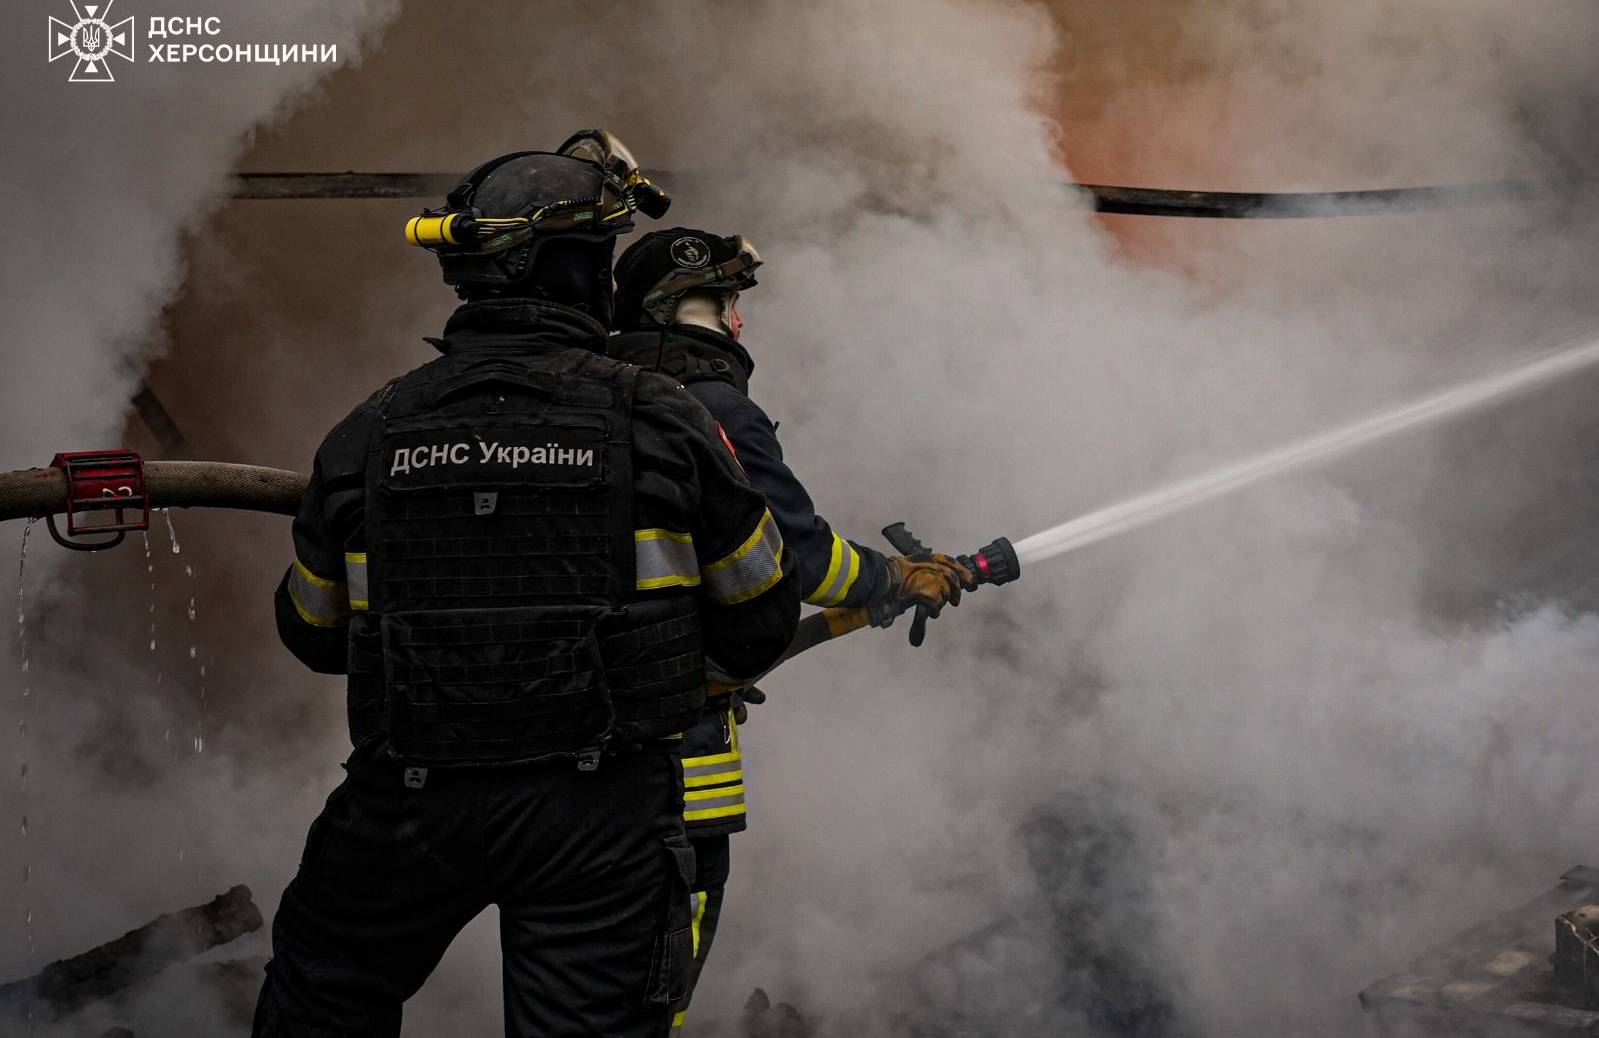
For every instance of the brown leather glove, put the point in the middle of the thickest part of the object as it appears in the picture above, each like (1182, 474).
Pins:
(931, 583)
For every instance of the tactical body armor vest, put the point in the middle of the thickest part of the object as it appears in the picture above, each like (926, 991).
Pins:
(502, 625)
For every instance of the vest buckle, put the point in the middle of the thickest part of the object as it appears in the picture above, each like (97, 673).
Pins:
(588, 760)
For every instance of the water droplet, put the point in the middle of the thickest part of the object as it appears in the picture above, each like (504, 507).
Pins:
(199, 744)
(191, 609)
(27, 665)
(22, 771)
(172, 531)
(152, 644)
(188, 569)
(27, 874)
(193, 652)
(24, 825)
(168, 736)
(180, 855)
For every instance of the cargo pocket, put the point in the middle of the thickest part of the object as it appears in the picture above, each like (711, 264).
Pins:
(494, 686)
(672, 959)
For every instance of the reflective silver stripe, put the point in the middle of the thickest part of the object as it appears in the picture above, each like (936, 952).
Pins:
(715, 774)
(752, 568)
(319, 601)
(355, 577)
(701, 804)
(664, 558)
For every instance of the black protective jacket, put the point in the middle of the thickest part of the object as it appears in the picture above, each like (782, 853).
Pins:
(700, 530)
(833, 571)
(716, 370)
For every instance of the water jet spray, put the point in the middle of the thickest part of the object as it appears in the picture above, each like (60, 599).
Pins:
(1143, 509)
(42, 492)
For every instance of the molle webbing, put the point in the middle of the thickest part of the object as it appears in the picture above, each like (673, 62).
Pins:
(494, 685)
(500, 568)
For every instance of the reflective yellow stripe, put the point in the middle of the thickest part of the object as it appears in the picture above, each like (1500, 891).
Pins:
(751, 569)
(698, 900)
(720, 777)
(706, 814)
(677, 1024)
(717, 769)
(843, 569)
(713, 803)
(718, 758)
(664, 558)
(319, 601)
(711, 794)
(355, 577)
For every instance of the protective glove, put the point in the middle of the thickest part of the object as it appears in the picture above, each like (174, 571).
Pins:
(931, 582)
(741, 700)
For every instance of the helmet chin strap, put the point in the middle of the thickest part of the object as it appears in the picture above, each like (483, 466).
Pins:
(707, 310)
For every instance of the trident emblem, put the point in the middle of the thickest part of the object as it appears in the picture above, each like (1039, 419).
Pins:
(92, 39)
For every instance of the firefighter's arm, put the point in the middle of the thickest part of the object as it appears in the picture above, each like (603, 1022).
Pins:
(749, 587)
(313, 600)
(833, 571)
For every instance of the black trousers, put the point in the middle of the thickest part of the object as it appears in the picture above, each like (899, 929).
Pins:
(591, 872)
(712, 864)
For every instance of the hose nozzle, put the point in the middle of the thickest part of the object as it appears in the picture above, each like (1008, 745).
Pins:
(993, 563)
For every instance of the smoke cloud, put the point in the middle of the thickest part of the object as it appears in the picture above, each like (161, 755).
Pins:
(1209, 779)
(110, 802)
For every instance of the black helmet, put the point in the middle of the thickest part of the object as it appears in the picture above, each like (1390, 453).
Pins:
(656, 270)
(495, 224)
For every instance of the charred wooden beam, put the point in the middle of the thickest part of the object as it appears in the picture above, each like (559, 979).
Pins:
(1103, 198)
(137, 955)
(1280, 205)
(343, 185)
(159, 421)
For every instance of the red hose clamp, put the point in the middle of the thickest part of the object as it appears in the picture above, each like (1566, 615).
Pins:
(105, 495)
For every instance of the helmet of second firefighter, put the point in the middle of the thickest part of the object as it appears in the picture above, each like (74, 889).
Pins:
(666, 271)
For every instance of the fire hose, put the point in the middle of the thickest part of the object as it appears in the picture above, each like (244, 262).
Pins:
(107, 494)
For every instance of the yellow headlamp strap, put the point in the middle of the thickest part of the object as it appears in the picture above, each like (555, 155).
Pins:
(464, 231)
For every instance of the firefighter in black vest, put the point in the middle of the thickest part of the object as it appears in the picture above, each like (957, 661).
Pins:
(677, 313)
(524, 555)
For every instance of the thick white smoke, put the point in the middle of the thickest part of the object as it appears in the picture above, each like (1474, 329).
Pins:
(102, 182)
(1212, 778)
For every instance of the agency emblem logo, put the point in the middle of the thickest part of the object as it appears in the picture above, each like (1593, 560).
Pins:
(690, 252)
(93, 39)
